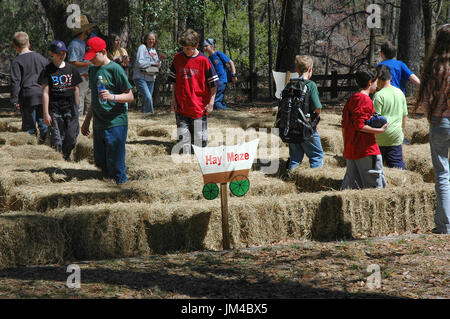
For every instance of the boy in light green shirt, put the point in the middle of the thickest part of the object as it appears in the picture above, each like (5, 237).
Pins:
(390, 102)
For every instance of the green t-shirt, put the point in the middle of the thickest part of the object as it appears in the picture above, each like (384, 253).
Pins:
(116, 82)
(312, 87)
(391, 103)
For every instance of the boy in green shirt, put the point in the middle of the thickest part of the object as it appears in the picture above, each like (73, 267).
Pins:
(109, 109)
(390, 102)
(311, 146)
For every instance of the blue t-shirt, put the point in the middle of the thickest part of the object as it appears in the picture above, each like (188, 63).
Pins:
(400, 73)
(75, 53)
(219, 65)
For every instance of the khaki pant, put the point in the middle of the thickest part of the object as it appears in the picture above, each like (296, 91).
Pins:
(85, 95)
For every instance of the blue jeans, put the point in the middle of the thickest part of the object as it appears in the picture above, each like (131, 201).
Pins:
(109, 152)
(146, 89)
(312, 147)
(439, 144)
(219, 101)
(32, 115)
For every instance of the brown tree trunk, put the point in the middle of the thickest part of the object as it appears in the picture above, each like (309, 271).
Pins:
(410, 30)
(372, 45)
(252, 58)
(269, 47)
(118, 11)
(427, 21)
(290, 35)
(225, 26)
(55, 11)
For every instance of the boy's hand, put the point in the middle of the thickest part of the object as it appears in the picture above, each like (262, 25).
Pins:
(174, 106)
(106, 95)
(384, 127)
(85, 128)
(209, 107)
(47, 119)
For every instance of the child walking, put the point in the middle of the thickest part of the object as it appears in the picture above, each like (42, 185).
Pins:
(390, 102)
(193, 91)
(60, 99)
(109, 109)
(311, 146)
(361, 151)
(26, 93)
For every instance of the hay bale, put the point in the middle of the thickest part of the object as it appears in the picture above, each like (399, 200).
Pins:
(10, 125)
(417, 158)
(27, 239)
(332, 160)
(101, 231)
(39, 198)
(417, 131)
(156, 131)
(330, 178)
(32, 152)
(375, 212)
(398, 177)
(84, 149)
(19, 138)
(126, 229)
(331, 141)
(311, 180)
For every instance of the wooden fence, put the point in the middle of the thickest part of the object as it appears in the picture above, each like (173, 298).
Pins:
(243, 86)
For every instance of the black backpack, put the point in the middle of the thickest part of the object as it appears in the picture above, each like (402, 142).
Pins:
(296, 118)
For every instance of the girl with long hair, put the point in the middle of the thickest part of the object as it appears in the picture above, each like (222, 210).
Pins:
(434, 99)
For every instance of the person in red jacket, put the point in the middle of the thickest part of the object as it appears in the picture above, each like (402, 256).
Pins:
(194, 87)
(361, 151)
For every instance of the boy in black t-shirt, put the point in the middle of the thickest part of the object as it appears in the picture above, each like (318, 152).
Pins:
(60, 100)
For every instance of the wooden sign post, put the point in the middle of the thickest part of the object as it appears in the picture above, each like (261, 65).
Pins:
(223, 165)
(226, 242)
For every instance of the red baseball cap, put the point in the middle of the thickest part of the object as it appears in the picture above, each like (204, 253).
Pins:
(93, 46)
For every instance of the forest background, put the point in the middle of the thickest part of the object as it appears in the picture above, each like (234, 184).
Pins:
(258, 35)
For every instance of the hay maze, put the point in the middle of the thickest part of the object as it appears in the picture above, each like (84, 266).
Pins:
(53, 211)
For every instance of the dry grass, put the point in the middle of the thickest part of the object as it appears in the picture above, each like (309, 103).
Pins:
(17, 139)
(417, 131)
(10, 125)
(417, 158)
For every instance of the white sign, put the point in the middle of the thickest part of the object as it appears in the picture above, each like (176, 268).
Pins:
(280, 81)
(220, 164)
(374, 19)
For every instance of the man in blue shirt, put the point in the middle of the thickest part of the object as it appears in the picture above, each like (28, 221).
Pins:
(75, 56)
(219, 60)
(400, 72)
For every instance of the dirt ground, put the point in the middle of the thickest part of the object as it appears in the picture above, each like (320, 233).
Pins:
(411, 266)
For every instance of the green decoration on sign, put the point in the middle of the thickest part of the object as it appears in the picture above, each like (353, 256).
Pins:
(240, 188)
(210, 191)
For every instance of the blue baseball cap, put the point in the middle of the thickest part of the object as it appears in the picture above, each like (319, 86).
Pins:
(57, 46)
(209, 41)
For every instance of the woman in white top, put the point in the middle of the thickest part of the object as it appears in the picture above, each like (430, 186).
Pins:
(146, 56)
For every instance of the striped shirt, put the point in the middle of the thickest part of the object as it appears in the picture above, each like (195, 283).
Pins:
(442, 96)
(193, 78)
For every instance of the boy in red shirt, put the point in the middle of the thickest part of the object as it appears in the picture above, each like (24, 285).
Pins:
(193, 91)
(361, 151)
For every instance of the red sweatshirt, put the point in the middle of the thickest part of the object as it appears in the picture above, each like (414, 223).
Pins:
(358, 144)
(193, 77)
